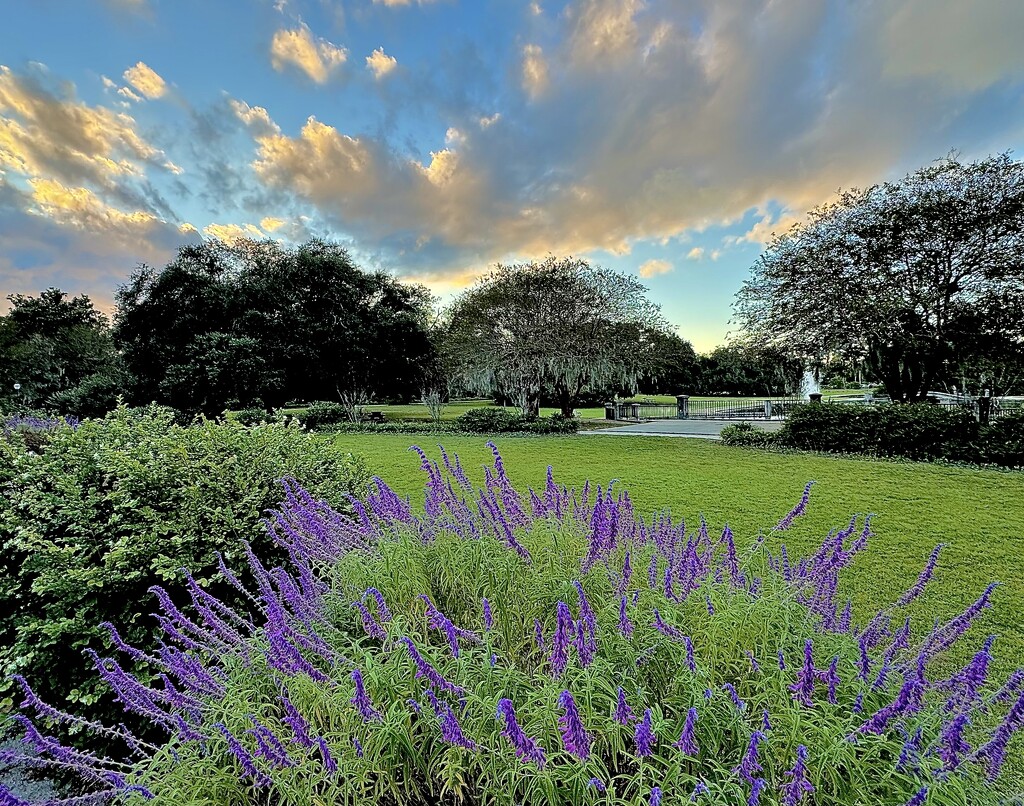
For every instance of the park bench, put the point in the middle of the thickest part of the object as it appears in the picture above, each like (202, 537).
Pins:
(374, 416)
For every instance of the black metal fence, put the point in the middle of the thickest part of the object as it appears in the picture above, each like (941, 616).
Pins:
(777, 408)
(705, 409)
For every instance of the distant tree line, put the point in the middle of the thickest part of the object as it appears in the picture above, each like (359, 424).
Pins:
(258, 324)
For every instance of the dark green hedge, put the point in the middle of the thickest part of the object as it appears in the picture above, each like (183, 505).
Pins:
(918, 431)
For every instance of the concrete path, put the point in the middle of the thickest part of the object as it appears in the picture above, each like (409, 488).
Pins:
(697, 429)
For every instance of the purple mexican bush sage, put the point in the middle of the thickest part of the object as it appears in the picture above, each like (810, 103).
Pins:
(918, 587)
(526, 748)
(643, 736)
(428, 672)
(562, 639)
(625, 624)
(575, 738)
(797, 511)
(794, 790)
(749, 765)
(362, 701)
(687, 742)
(623, 713)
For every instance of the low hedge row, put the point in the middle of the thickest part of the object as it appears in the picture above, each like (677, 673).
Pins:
(920, 432)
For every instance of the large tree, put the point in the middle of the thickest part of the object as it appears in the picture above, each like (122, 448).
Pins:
(58, 349)
(562, 324)
(915, 276)
(259, 323)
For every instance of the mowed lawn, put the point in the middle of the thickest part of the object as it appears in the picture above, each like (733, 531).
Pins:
(978, 514)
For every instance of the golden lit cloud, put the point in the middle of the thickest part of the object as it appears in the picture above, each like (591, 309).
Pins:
(652, 268)
(144, 79)
(604, 30)
(270, 224)
(45, 136)
(229, 233)
(315, 57)
(697, 253)
(380, 64)
(80, 207)
(535, 71)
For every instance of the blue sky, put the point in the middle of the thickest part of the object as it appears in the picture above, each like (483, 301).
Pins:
(666, 138)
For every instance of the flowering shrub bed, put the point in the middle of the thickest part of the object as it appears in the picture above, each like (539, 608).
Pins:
(554, 648)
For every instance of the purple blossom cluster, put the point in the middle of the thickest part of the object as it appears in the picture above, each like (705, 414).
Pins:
(290, 626)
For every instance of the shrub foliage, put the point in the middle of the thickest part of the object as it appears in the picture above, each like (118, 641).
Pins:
(555, 648)
(115, 506)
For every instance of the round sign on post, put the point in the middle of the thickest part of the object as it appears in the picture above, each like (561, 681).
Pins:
(17, 387)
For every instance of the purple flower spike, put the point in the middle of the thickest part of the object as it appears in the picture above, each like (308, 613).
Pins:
(358, 745)
(797, 511)
(734, 696)
(623, 713)
(793, 791)
(597, 784)
(574, 738)
(918, 587)
(644, 736)
(749, 765)
(803, 688)
(655, 796)
(362, 701)
(687, 742)
(451, 730)
(952, 747)
(625, 625)
(526, 748)
(562, 639)
(700, 789)
(325, 754)
(488, 616)
(755, 791)
(919, 797)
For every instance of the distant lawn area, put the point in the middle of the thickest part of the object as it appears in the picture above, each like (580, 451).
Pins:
(417, 411)
(979, 514)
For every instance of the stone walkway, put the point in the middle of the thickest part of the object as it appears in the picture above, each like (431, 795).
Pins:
(695, 429)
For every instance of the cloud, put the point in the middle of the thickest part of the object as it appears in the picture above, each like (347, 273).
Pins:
(229, 233)
(697, 116)
(396, 3)
(80, 207)
(535, 71)
(697, 253)
(652, 268)
(270, 224)
(315, 57)
(42, 135)
(146, 80)
(380, 64)
(604, 31)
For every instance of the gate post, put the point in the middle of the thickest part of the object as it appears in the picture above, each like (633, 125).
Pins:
(609, 411)
(767, 409)
(984, 408)
(682, 407)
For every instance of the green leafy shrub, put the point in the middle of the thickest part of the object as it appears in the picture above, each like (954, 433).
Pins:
(120, 504)
(918, 431)
(322, 413)
(253, 416)
(490, 420)
(559, 648)
(745, 435)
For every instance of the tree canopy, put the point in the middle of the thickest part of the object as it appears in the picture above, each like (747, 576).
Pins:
(922, 278)
(58, 349)
(561, 323)
(257, 323)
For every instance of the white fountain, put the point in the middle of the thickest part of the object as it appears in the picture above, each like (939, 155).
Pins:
(809, 385)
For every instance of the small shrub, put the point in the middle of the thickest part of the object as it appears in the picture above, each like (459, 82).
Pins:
(118, 505)
(558, 648)
(323, 413)
(253, 416)
(490, 420)
(746, 435)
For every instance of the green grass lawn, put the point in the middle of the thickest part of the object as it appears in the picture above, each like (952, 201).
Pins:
(978, 514)
(417, 411)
